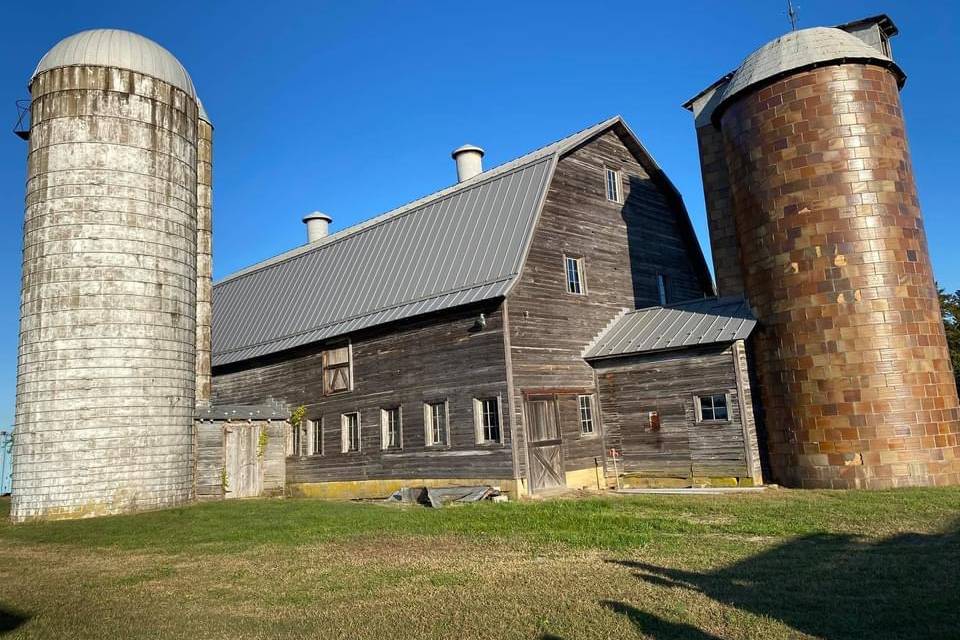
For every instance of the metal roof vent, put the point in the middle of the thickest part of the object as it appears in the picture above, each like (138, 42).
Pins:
(469, 161)
(318, 226)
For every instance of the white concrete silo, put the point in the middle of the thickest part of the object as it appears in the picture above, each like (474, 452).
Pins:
(106, 372)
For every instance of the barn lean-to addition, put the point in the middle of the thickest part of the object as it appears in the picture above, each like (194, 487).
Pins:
(445, 342)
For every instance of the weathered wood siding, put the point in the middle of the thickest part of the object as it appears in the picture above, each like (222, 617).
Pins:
(431, 359)
(267, 462)
(623, 246)
(632, 387)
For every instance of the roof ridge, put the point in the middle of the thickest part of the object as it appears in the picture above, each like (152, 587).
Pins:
(504, 168)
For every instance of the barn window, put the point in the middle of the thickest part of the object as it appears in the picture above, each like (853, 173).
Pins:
(315, 429)
(336, 370)
(486, 413)
(586, 415)
(653, 420)
(712, 407)
(614, 193)
(435, 421)
(350, 432)
(574, 267)
(296, 449)
(662, 288)
(391, 428)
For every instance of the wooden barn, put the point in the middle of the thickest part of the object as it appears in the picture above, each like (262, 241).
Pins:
(512, 330)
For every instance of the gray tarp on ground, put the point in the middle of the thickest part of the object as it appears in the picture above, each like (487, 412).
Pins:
(437, 497)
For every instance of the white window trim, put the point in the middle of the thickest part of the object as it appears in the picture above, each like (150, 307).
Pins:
(384, 433)
(315, 429)
(345, 433)
(478, 419)
(618, 184)
(428, 423)
(581, 272)
(699, 411)
(593, 416)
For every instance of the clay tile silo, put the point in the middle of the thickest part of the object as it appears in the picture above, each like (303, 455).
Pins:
(814, 215)
(106, 366)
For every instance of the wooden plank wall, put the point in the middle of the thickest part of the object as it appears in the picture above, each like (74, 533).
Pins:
(211, 458)
(407, 364)
(624, 246)
(631, 387)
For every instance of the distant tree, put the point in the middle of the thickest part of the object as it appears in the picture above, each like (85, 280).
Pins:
(950, 308)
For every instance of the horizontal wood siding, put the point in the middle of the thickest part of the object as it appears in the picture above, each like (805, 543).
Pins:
(623, 247)
(209, 460)
(632, 387)
(437, 358)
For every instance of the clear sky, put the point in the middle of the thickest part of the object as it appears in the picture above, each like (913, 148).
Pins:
(352, 108)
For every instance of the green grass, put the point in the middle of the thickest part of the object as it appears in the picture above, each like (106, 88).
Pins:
(781, 564)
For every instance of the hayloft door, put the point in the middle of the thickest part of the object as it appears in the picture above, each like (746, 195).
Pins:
(544, 444)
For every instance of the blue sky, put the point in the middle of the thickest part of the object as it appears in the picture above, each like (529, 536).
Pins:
(352, 108)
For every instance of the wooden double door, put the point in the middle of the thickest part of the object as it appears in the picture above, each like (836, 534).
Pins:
(544, 443)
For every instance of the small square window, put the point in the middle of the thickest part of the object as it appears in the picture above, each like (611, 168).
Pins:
(713, 407)
(349, 432)
(391, 428)
(487, 420)
(614, 193)
(435, 421)
(586, 415)
(574, 268)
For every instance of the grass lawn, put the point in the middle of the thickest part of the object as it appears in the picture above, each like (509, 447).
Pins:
(781, 564)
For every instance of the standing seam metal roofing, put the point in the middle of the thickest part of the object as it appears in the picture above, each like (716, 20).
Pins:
(686, 324)
(463, 244)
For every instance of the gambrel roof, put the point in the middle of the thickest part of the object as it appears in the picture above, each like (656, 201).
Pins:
(460, 245)
(686, 324)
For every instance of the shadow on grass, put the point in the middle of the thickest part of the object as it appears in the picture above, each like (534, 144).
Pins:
(830, 586)
(11, 620)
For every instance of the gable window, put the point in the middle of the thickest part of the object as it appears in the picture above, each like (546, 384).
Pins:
(315, 429)
(662, 288)
(336, 370)
(574, 268)
(435, 422)
(712, 407)
(653, 420)
(350, 432)
(486, 414)
(614, 193)
(586, 415)
(391, 428)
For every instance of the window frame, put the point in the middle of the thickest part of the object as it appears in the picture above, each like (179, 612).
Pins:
(296, 440)
(479, 428)
(592, 408)
(385, 426)
(616, 183)
(428, 423)
(663, 290)
(698, 407)
(327, 390)
(581, 271)
(345, 433)
(315, 434)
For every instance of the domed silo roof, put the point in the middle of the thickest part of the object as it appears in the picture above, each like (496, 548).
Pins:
(119, 49)
(802, 49)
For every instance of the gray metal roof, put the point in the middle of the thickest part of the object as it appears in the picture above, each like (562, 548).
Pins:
(687, 324)
(120, 49)
(269, 411)
(799, 49)
(460, 245)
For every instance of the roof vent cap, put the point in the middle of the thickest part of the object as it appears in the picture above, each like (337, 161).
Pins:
(469, 161)
(318, 226)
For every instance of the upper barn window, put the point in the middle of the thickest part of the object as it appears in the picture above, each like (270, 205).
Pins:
(337, 376)
(586, 415)
(712, 407)
(574, 268)
(614, 193)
